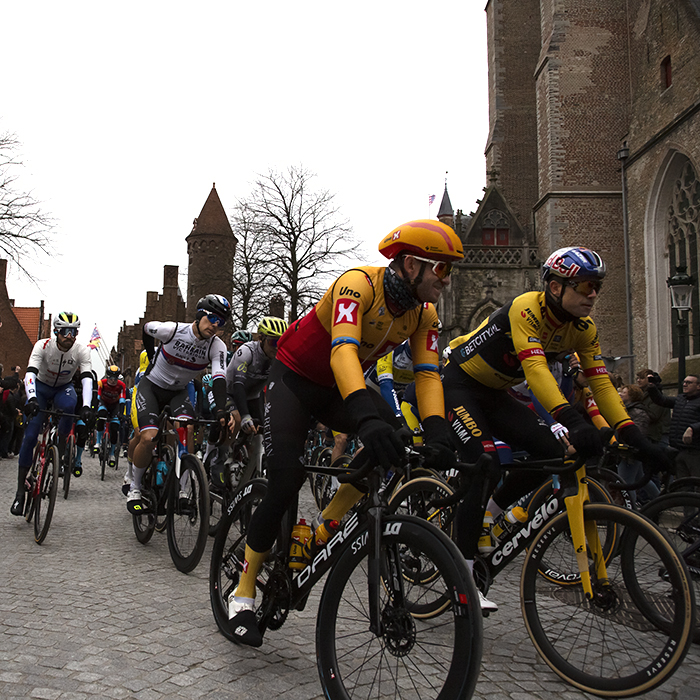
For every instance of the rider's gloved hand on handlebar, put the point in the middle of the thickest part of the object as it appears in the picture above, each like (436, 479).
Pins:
(437, 435)
(378, 437)
(247, 424)
(584, 437)
(653, 455)
(31, 408)
(86, 415)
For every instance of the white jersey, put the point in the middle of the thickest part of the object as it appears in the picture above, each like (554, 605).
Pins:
(55, 367)
(182, 356)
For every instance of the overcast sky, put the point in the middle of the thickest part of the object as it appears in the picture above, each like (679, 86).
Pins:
(127, 113)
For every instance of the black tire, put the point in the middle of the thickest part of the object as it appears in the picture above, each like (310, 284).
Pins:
(117, 450)
(46, 498)
(145, 522)
(228, 551)
(423, 658)
(608, 479)
(686, 483)
(104, 452)
(678, 517)
(188, 516)
(414, 497)
(68, 468)
(613, 646)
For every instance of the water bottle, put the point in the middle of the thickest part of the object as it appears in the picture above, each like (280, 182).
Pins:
(510, 519)
(301, 534)
(161, 472)
(323, 533)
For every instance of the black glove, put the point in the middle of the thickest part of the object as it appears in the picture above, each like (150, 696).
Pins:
(652, 456)
(31, 408)
(86, 415)
(437, 435)
(222, 413)
(584, 437)
(378, 437)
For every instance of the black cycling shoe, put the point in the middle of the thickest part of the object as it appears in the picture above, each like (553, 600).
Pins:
(244, 626)
(17, 507)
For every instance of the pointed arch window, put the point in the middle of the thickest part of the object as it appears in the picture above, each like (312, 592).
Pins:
(496, 229)
(683, 223)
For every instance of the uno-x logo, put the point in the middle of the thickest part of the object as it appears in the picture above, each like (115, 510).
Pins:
(346, 312)
(396, 236)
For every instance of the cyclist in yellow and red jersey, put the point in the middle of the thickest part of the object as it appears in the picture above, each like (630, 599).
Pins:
(512, 345)
(319, 373)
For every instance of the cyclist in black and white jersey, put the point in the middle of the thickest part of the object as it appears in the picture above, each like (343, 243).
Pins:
(246, 376)
(185, 351)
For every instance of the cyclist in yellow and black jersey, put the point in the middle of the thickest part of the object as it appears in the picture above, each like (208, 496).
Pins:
(513, 345)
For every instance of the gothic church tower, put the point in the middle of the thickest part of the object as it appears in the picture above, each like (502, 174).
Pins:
(211, 246)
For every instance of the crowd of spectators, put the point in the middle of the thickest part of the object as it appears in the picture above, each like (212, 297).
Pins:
(12, 402)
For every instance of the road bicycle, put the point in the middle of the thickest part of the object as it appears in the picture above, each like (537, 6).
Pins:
(105, 449)
(372, 639)
(175, 498)
(606, 600)
(42, 478)
(231, 466)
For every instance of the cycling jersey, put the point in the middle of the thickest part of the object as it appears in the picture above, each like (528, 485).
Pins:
(517, 340)
(110, 395)
(181, 355)
(350, 328)
(54, 367)
(246, 374)
(393, 371)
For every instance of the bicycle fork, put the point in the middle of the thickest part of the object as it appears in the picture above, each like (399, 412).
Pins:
(585, 538)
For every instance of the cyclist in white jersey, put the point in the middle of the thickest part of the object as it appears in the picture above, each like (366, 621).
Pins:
(49, 380)
(185, 351)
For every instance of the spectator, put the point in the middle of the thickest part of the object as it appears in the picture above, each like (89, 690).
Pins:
(9, 405)
(632, 470)
(684, 434)
(659, 416)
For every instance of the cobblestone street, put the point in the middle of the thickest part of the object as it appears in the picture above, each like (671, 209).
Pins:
(91, 613)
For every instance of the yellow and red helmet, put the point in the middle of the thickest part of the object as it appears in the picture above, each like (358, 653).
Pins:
(426, 238)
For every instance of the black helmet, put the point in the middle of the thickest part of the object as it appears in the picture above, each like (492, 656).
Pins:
(112, 372)
(214, 304)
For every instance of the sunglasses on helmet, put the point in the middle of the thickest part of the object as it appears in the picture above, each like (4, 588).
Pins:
(68, 332)
(585, 287)
(216, 320)
(440, 268)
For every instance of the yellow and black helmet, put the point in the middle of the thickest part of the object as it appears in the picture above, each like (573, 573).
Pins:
(272, 326)
(426, 238)
(66, 319)
(113, 372)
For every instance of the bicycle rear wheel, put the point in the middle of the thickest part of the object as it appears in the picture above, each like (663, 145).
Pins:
(635, 632)
(412, 657)
(68, 467)
(678, 517)
(188, 514)
(104, 453)
(45, 500)
(228, 552)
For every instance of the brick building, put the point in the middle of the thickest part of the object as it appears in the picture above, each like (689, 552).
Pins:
(21, 327)
(594, 139)
(211, 246)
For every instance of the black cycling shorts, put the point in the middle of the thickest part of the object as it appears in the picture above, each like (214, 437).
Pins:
(152, 399)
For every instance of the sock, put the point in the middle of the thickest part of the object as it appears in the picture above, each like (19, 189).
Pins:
(253, 562)
(470, 565)
(345, 498)
(136, 477)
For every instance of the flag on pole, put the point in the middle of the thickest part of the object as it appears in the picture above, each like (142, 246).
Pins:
(431, 199)
(95, 339)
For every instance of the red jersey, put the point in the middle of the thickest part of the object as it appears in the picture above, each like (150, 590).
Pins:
(109, 395)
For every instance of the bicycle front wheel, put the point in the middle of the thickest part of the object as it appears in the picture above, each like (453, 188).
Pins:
(188, 514)
(636, 630)
(45, 500)
(104, 453)
(409, 656)
(678, 517)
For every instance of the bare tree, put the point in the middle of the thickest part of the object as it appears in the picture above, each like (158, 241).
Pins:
(23, 226)
(302, 234)
(251, 281)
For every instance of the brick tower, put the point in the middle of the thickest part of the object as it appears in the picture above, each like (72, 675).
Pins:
(211, 246)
